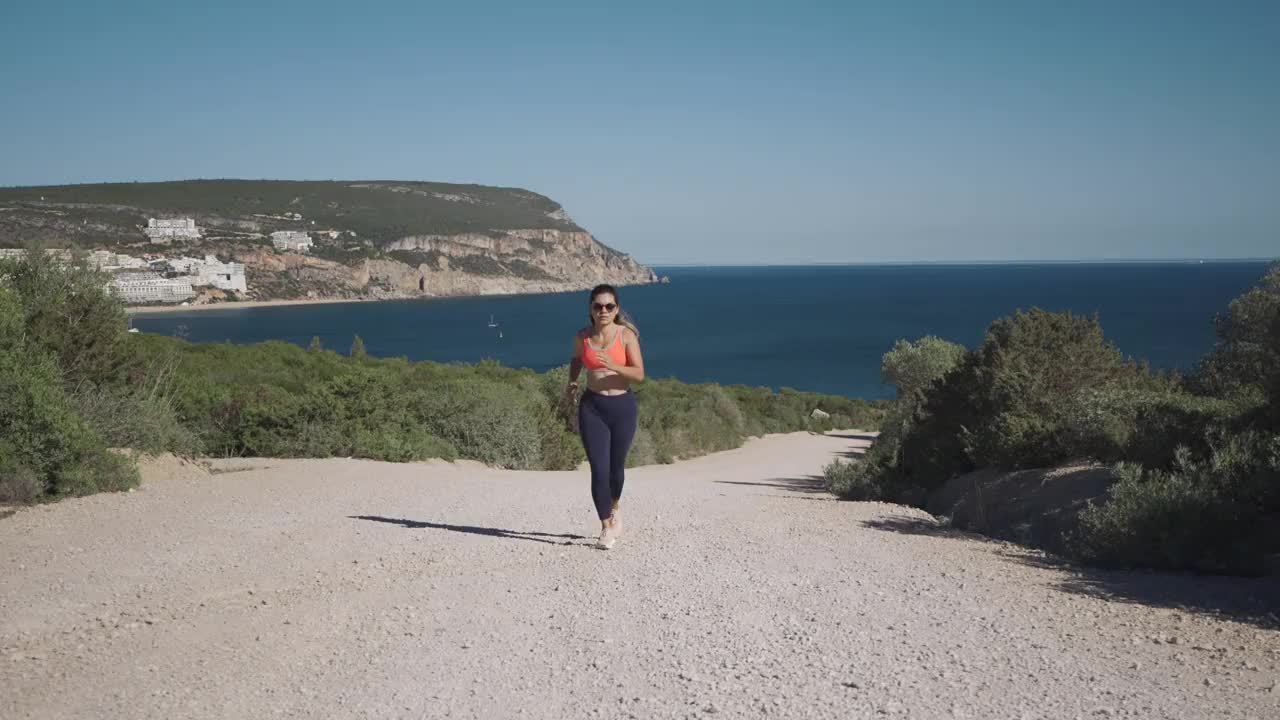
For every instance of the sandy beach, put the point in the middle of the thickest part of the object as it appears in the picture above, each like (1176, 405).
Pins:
(356, 589)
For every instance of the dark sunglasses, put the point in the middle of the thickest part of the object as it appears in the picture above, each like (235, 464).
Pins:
(605, 307)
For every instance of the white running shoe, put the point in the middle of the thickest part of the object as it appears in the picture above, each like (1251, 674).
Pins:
(607, 539)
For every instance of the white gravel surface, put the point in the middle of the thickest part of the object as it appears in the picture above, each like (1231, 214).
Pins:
(356, 589)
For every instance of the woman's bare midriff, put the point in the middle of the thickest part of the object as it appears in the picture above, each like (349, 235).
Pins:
(606, 382)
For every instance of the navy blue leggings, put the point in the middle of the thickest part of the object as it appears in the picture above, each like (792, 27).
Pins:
(607, 424)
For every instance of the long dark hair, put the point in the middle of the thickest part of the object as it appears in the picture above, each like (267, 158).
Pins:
(622, 318)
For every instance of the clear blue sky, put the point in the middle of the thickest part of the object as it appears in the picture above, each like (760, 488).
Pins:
(696, 131)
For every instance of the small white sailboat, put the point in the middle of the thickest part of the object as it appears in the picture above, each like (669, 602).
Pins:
(491, 322)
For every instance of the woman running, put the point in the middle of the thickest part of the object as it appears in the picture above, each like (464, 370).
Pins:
(610, 351)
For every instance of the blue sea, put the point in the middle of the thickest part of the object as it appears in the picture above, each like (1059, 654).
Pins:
(820, 328)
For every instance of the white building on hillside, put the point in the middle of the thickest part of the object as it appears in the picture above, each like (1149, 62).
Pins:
(224, 276)
(210, 271)
(139, 287)
(296, 240)
(181, 265)
(107, 260)
(164, 230)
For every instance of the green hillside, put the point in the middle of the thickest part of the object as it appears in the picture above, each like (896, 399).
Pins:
(377, 211)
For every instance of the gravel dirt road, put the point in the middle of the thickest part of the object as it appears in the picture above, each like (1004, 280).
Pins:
(356, 589)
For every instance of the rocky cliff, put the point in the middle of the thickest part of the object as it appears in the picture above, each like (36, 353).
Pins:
(516, 262)
(374, 239)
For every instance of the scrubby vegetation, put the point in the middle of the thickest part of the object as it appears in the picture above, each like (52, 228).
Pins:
(73, 386)
(1197, 458)
(77, 383)
(376, 210)
(276, 399)
(679, 420)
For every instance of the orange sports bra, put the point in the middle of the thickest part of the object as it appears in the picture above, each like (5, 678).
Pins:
(616, 352)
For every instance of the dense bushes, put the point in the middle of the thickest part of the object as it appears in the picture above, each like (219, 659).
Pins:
(46, 448)
(1217, 506)
(276, 399)
(912, 368)
(67, 311)
(1020, 387)
(1199, 460)
(1246, 358)
(1207, 513)
(76, 383)
(1202, 488)
(1014, 402)
(1043, 389)
(679, 420)
(1161, 423)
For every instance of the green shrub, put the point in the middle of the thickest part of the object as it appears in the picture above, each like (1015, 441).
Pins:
(931, 442)
(410, 444)
(1199, 475)
(67, 311)
(129, 418)
(1029, 364)
(1163, 423)
(561, 448)
(140, 414)
(1145, 426)
(478, 264)
(1098, 422)
(357, 348)
(764, 411)
(855, 480)
(1246, 357)
(643, 450)
(19, 482)
(1270, 414)
(1213, 515)
(46, 449)
(1017, 400)
(485, 420)
(912, 367)
(689, 420)
(415, 258)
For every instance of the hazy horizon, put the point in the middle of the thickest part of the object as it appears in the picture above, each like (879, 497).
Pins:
(796, 133)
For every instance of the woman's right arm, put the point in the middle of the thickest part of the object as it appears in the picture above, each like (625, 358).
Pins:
(575, 362)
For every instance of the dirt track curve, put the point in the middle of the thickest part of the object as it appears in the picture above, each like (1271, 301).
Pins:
(356, 589)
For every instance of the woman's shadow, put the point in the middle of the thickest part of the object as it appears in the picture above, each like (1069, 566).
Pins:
(474, 530)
